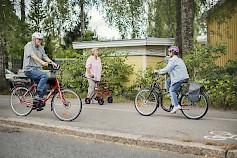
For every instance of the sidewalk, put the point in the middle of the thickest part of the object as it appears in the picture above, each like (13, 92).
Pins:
(120, 122)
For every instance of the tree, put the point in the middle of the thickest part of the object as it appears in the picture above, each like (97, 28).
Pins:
(36, 15)
(82, 17)
(186, 11)
(178, 39)
(23, 14)
(9, 26)
(161, 18)
(126, 15)
(187, 29)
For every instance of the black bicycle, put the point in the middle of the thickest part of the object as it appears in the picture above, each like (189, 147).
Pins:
(147, 101)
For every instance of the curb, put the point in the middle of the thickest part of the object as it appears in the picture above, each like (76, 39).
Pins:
(232, 154)
(125, 138)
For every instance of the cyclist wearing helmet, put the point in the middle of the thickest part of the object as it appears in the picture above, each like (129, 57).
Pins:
(178, 75)
(34, 59)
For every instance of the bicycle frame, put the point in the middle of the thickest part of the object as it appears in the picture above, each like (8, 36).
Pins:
(33, 88)
(154, 86)
(159, 91)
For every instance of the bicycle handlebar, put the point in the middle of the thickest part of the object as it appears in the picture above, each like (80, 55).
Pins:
(54, 67)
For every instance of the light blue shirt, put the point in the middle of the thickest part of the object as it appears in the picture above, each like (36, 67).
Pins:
(176, 68)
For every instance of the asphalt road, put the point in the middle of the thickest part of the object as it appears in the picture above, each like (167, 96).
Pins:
(121, 119)
(23, 143)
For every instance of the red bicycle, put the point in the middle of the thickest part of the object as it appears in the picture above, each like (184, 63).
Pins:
(65, 103)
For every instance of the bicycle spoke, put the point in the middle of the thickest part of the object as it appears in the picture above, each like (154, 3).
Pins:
(146, 102)
(21, 100)
(68, 107)
(194, 110)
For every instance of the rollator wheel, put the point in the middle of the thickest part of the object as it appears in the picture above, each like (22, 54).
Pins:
(110, 99)
(101, 101)
(87, 100)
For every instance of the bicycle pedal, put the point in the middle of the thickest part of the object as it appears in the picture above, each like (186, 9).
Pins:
(42, 105)
(35, 106)
(39, 109)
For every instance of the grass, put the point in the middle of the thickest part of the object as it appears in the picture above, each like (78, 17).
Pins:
(212, 142)
(186, 140)
(222, 145)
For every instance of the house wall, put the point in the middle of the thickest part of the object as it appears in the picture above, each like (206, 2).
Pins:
(140, 63)
(142, 57)
(140, 53)
(225, 33)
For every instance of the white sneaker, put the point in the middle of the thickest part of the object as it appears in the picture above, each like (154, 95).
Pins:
(93, 101)
(175, 109)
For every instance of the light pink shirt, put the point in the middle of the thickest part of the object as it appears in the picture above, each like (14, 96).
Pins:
(95, 67)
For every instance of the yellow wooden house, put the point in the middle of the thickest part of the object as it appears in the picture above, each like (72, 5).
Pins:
(141, 53)
(222, 28)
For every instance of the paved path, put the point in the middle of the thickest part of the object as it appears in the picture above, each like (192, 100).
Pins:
(121, 122)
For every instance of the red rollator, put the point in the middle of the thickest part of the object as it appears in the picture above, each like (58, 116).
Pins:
(100, 92)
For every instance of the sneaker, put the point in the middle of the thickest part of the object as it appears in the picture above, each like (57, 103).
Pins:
(175, 109)
(93, 101)
(37, 105)
(39, 109)
(37, 97)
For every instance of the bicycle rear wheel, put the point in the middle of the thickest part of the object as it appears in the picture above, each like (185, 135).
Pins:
(146, 102)
(194, 110)
(68, 110)
(20, 101)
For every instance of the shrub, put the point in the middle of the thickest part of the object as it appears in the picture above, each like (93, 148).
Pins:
(219, 81)
(114, 68)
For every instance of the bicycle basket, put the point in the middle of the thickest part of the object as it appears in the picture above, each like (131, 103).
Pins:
(195, 89)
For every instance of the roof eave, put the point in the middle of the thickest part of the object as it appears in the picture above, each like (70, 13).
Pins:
(123, 43)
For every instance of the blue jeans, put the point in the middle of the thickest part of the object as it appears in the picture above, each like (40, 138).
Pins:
(40, 78)
(173, 90)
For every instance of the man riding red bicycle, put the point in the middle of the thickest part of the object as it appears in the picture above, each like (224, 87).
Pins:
(34, 59)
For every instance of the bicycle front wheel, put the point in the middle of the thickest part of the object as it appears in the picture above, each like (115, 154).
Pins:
(67, 106)
(21, 100)
(194, 110)
(146, 102)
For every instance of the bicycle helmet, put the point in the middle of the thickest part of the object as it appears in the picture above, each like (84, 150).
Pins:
(37, 35)
(174, 49)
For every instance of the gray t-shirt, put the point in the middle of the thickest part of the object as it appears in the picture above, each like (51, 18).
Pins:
(28, 62)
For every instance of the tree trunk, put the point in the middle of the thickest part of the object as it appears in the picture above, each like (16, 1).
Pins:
(1, 60)
(187, 18)
(23, 17)
(178, 39)
(3, 81)
(82, 18)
